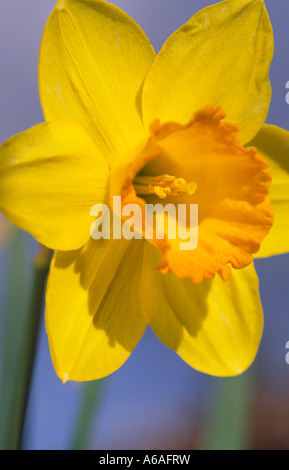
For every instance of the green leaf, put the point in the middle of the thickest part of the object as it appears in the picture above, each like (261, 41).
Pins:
(229, 422)
(89, 407)
(21, 320)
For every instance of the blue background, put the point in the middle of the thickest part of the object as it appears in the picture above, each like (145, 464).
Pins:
(155, 401)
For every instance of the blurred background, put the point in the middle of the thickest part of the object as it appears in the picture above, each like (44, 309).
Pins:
(155, 401)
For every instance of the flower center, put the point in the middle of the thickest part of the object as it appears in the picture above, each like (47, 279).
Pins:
(232, 195)
(162, 186)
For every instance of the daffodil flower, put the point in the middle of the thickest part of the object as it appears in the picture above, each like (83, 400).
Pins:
(185, 126)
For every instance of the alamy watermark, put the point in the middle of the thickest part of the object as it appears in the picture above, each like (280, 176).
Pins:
(287, 355)
(173, 222)
(287, 94)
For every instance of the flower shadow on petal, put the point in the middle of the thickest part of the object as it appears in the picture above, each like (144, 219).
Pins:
(174, 307)
(105, 281)
(112, 277)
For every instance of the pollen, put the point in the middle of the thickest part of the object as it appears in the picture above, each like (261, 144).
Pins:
(163, 186)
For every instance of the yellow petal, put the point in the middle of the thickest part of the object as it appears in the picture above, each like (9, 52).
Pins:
(93, 62)
(221, 56)
(93, 315)
(273, 144)
(215, 327)
(50, 177)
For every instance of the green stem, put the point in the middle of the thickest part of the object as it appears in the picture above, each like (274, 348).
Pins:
(40, 273)
(25, 360)
(230, 419)
(89, 406)
(17, 279)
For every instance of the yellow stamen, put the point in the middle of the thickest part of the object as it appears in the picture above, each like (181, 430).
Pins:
(163, 186)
